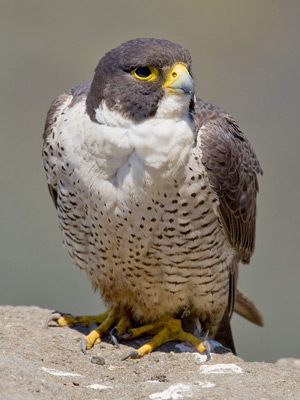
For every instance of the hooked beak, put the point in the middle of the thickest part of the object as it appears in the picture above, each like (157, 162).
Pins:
(179, 80)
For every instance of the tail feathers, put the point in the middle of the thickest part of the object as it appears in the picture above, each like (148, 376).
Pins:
(245, 307)
(224, 334)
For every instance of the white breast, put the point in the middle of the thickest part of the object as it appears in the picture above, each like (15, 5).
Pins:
(105, 157)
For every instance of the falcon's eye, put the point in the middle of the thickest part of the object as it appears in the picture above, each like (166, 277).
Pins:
(145, 73)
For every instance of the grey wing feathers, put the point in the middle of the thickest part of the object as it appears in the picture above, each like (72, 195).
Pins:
(232, 169)
(66, 99)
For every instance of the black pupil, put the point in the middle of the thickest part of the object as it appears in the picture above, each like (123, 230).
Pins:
(143, 72)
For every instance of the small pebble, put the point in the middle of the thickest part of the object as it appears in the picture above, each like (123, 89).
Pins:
(97, 360)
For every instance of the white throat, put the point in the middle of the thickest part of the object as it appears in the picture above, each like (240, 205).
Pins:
(162, 142)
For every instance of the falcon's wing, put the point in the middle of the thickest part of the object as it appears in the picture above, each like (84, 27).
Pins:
(58, 107)
(232, 169)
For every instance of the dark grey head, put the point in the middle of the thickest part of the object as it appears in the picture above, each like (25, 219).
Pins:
(133, 77)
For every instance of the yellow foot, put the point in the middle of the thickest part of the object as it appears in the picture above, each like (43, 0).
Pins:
(164, 330)
(112, 316)
(84, 320)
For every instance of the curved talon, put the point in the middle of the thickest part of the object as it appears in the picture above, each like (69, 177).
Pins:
(206, 344)
(83, 344)
(113, 337)
(207, 349)
(53, 317)
(113, 332)
(132, 354)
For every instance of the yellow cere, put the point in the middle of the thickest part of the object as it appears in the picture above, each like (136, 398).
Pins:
(174, 74)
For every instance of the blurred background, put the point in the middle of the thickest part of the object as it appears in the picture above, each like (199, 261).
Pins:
(246, 58)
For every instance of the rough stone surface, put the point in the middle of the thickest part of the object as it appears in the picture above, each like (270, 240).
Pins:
(289, 363)
(46, 363)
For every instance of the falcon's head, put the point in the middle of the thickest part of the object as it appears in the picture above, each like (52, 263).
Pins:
(140, 79)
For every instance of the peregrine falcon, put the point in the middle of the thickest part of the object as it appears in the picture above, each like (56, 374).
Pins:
(155, 192)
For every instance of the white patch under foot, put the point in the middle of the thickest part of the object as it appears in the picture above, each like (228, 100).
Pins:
(184, 348)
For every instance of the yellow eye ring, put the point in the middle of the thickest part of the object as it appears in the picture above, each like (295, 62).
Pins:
(145, 73)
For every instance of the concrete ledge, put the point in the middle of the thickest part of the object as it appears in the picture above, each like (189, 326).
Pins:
(46, 363)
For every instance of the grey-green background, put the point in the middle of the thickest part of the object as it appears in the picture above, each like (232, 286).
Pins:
(246, 58)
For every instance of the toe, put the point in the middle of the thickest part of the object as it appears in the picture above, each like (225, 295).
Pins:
(132, 354)
(83, 346)
(91, 338)
(113, 337)
(165, 330)
(53, 317)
